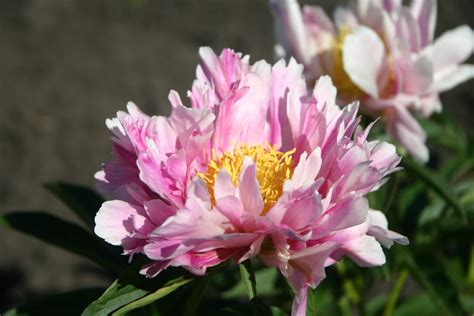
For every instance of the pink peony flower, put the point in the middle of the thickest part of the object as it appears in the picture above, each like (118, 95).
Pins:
(381, 53)
(257, 167)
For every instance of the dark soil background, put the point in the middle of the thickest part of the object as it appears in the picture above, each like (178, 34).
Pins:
(67, 65)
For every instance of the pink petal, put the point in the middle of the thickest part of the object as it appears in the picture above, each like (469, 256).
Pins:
(248, 188)
(379, 230)
(317, 21)
(418, 75)
(223, 185)
(113, 221)
(290, 29)
(425, 13)
(351, 211)
(406, 130)
(231, 207)
(365, 251)
(158, 211)
(345, 17)
(305, 172)
(450, 79)
(453, 47)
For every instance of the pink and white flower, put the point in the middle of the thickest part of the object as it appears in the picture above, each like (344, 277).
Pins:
(256, 167)
(381, 53)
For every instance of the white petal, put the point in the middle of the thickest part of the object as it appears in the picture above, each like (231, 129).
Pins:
(363, 56)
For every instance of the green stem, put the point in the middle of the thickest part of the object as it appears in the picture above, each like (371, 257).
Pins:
(395, 294)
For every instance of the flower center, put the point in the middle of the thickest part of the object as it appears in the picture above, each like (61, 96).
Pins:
(273, 169)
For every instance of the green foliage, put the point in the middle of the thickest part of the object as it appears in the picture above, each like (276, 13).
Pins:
(82, 201)
(132, 291)
(65, 235)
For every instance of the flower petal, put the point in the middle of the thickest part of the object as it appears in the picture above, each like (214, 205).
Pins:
(114, 221)
(453, 47)
(248, 188)
(363, 57)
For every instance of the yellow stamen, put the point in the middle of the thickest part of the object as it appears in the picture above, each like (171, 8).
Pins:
(273, 169)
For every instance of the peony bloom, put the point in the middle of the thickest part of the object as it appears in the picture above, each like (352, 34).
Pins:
(381, 53)
(257, 167)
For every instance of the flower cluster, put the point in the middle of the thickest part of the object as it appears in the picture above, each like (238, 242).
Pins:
(381, 53)
(256, 167)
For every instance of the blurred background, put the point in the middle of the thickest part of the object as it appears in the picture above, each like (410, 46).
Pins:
(67, 65)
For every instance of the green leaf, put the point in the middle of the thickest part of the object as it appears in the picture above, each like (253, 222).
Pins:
(467, 301)
(418, 305)
(444, 131)
(437, 185)
(82, 201)
(265, 279)
(248, 277)
(65, 235)
(407, 196)
(71, 303)
(168, 288)
(199, 288)
(375, 305)
(116, 296)
(130, 287)
(431, 212)
(277, 311)
(430, 274)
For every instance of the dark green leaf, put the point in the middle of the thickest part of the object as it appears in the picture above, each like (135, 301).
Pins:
(168, 288)
(71, 303)
(431, 212)
(277, 311)
(430, 274)
(419, 305)
(265, 279)
(116, 296)
(66, 235)
(467, 301)
(198, 290)
(374, 306)
(130, 287)
(437, 185)
(445, 132)
(84, 202)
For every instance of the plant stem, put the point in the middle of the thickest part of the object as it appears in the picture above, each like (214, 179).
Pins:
(395, 294)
